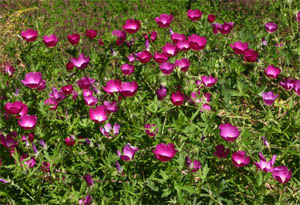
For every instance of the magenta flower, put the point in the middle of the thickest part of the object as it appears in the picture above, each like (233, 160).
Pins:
(73, 38)
(45, 166)
(197, 42)
(239, 47)
(211, 18)
(91, 33)
(239, 159)
(229, 132)
(169, 49)
(282, 174)
(128, 152)
(161, 92)
(164, 20)
(127, 69)
(272, 72)
(193, 165)
(70, 141)
(183, 64)
(85, 82)
(263, 164)
(298, 17)
(131, 58)
(9, 69)
(67, 89)
(132, 25)
(109, 131)
(177, 37)
(81, 62)
(265, 141)
(269, 98)
(167, 68)
(14, 108)
(29, 35)
(150, 129)
(86, 201)
(221, 152)
(56, 95)
(10, 141)
(121, 36)
(271, 27)
(98, 114)
(160, 57)
(216, 28)
(111, 106)
(100, 42)
(29, 163)
(27, 122)
(144, 56)
(112, 86)
(208, 81)
(194, 15)
(226, 27)
(50, 41)
(129, 89)
(288, 84)
(250, 55)
(69, 66)
(183, 45)
(297, 87)
(52, 103)
(42, 85)
(153, 36)
(90, 100)
(164, 152)
(32, 79)
(88, 179)
(177, 98)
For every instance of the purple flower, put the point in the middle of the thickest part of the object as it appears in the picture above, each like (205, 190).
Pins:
(226, 27)
(297, 87)
(221, 152)
(177, 98)
(272, 72)
(282, 174)
(229, 132)
(88, 179)
(129, 89)
(15, 107)
(164, 20)
(109, 131)
(50, 41)
(73, 38)
(111, 106)
(27, 122)
(211, 18)
(208, 81)
(151, 129)
(239, 159)
(160, 57)
(81, 62)
(90, 100)
(161, 92)
(298, 17)
(112, 86)
(263, 164)
(164, 152)
(176, 37)
(121, 36)
(118, 167)
(183, 64)
(127, 69)
(197, 42)
(32, 80)
(98, 114)
(169, 49)
(86, 201)
(3, 181)
(10, 141)
(85, 82)
(269, 98)
(193, 165)
(194, 15)
(183, 45)
(29, 35)
(167, 68)
(29, 163)
(70, 141)
(288, 84)
(250, 55)
(153, 36)
(239, 47)
(266, 143)
(271, 27)
(9, 69)
(144, 56)
(56, 95)
(91, 33)
(128, 152)
(132, 25)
